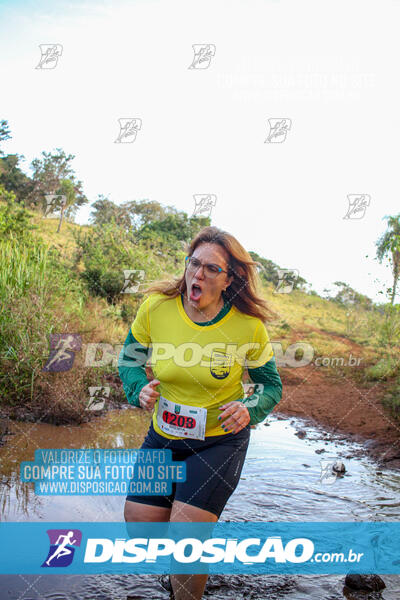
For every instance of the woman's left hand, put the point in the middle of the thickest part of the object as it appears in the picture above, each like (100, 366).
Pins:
(236, 415)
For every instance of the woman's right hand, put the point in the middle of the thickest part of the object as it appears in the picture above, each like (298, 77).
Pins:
(148, 395)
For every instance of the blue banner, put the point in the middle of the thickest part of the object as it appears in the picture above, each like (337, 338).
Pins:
(222, 547)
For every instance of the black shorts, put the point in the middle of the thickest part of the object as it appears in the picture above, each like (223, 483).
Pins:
(213, 468)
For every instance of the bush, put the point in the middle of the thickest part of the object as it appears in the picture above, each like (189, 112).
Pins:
(392, 400)
(385, 368)
(14, 219)
(107, 284)
(33, 285)
(108, 250)
(389, 330)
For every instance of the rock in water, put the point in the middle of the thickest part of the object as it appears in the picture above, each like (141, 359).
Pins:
(301, 434)
(338, 467)
(371, 583)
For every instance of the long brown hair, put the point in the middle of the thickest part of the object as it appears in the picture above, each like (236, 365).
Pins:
(244, 290)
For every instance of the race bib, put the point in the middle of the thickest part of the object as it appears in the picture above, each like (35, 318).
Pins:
(181, 420)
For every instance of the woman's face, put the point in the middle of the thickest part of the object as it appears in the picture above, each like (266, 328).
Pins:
(210, 289)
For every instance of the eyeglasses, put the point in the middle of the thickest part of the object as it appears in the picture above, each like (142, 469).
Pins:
(210, 270)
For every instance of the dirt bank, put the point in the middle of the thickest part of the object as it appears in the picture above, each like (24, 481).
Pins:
(342, 405)
(339, 404)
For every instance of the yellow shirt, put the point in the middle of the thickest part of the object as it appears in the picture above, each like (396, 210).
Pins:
(199, 365)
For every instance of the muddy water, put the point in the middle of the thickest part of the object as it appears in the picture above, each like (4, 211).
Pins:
(280, 482)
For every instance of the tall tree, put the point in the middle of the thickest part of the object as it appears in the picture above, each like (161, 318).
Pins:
(347, 296)
(50, 174)
(269, 272)
(11, 177)
(4, 133)
(176, 225)
(105, 211)
(388, 246)
(144, 212)
(14, 218)
(14, 179)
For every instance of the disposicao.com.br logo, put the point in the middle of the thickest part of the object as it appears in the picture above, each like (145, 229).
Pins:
(186, 550)
(222, 547)
(190, 550)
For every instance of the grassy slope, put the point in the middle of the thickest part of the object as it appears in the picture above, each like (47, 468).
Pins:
(332, 330)
(326, 325)
(63, 241)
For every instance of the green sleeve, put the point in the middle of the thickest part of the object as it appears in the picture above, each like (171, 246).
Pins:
(261, 404)
(131, 361)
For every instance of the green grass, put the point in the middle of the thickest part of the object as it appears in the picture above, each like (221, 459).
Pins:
(385, 368)
(391, 400)
(23, 267)
(41, 292)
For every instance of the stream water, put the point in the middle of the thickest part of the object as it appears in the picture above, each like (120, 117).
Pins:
(280, 482)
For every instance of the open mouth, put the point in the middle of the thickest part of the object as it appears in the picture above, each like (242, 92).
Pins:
(195, 292)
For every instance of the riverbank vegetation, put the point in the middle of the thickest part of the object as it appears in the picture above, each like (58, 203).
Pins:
(60, 279)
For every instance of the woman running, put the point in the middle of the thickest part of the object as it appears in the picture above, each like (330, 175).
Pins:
(203, 329)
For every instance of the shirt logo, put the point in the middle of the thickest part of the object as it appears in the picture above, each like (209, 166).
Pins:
(220, 364)
(61, 551)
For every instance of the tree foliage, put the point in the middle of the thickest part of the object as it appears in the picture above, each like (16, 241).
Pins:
(388, 246)
(14, 179)
(347, 296)
(268, 272)
(14, 219)
(105, 211)
(106, 250)
(4, 133)
(53, 174)
(148, 220)
(175, 226)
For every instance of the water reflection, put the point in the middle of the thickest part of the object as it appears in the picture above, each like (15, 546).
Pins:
(280, 482)
(118, 429)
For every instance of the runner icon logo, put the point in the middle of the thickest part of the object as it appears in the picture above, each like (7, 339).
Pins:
(62, 547)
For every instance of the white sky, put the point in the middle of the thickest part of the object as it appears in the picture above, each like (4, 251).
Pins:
(330, 67)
